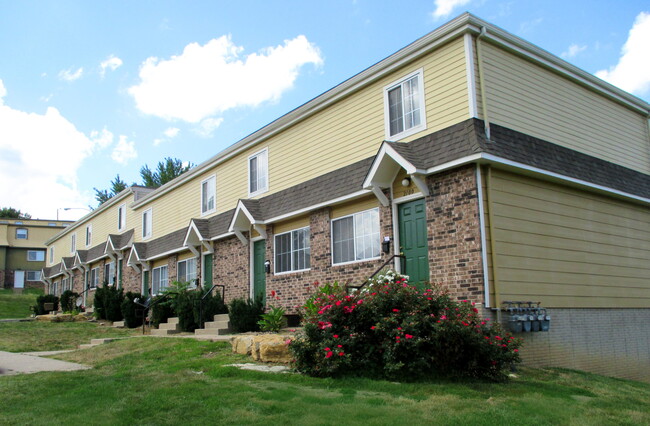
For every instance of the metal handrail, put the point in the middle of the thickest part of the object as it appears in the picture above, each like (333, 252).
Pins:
(149, 303)
(223, 295)
(390, 259)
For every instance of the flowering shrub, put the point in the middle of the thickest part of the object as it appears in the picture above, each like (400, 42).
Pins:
(393, 330)
(273, 320)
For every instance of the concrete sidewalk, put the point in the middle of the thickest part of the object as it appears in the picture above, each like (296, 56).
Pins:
(17, 363)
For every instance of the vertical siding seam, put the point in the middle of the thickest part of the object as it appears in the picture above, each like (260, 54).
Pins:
(470, 75)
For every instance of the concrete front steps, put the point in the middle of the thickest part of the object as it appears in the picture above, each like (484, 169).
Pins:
(219, 327)
(165, 329)
(119, 324)
(97, 342)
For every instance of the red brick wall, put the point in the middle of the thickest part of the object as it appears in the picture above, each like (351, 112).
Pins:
(455, 260)
(231, 267)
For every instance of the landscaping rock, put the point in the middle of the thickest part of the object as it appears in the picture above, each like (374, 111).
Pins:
(61, 318)
(263, 347)
(242, 344)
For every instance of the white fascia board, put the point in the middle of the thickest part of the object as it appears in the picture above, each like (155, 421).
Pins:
(167, 253)
(222, 236)
(192, 228)
(241, 209)
(493, 159)
(452, 164)
(386, 151)
(133, 251)
(302, 211)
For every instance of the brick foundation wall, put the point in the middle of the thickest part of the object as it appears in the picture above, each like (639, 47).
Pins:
(2, 278)
(612, 342)
(131, 279)
(455, 260)
(231, 267)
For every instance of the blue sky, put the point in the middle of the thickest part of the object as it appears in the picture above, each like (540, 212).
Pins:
(92, 89)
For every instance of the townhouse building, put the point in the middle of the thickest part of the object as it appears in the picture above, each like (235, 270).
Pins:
(22, 250)
(500, 172)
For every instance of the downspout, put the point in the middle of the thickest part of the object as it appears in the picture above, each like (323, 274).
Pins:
(481, 80)
(495, 276)
(481, 221)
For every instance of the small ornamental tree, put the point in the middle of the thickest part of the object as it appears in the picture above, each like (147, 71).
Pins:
(393, 330)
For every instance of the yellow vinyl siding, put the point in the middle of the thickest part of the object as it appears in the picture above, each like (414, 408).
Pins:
(186, 255)
(401, 191)
(366, 203)
(160, 262)
(36, 235)
(528, 98)
(343, 133)
(290, 225)
(568, 248)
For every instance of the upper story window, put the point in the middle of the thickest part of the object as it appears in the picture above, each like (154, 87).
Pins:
(404, 106)
(159, 280)
(258, 173)
(51, 254)
(21, 233)
(35, 255)
(73, 243)
(356, 237)
(186, 271)
(89, 234)
(292, 251)
(208, 195)
(121, 217)
(146, 223)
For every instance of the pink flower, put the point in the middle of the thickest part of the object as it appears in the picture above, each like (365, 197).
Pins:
(341, 353)
(287, 342)
(339, 346)
(408, 336)
(326, 349)
(397, 338)
(443, 317)
(336, 336)
(338, 303)
(516, 350)
(399, 328)
(395, 310)
(329, 354)
(372, 328)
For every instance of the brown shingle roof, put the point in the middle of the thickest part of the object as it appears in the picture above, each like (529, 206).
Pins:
(164, 244)
(120, 241)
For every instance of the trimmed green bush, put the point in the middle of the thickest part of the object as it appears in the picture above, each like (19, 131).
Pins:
(46, 298)
(244, 314)
(161, 310)
(213, 305)
(184, 305)
(393, 330)
(68, 299)
(132, 312)
(108, 303)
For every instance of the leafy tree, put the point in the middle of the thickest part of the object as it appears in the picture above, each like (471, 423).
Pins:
(11, 213)
(166, 170)
(117, 186)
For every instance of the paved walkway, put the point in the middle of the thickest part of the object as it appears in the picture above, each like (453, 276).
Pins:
(16, 363)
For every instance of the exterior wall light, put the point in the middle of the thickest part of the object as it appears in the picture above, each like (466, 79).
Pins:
(406, 182)
(267, 266)
(385, 245)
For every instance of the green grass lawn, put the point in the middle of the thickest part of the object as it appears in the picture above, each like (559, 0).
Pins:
(46, 336)
(16, 305)
(181, 381)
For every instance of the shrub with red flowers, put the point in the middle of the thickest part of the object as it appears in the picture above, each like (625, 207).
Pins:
(394, 330)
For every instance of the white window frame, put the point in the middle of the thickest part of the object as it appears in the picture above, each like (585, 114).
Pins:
(354, 237)
(291, 251)
(41, 252)
(265, 188)
(423, 116)
(73, 243)
(89, 234)
(110, 279)
(121, 217)
(94, 277)
(37, 273)
(26, 237)
(211, 185)
(160, 280)
(147, 223)
(188, 277)
(51, 255)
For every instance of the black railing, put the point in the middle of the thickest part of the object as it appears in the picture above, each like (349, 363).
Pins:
(148, 304)
(390, 259)
(201, 301)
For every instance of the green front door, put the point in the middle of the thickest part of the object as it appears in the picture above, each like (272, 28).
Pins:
(413, 240)
(259, 275)
(145, 283)
(207, 270)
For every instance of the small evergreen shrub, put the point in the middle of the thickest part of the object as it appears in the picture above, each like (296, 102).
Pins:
(244, 314)
(108, 303)
(184, 304)
(68, 301)
(161, 310)
(213, 305)
(132, 312)
(393, 330)
(46, 298)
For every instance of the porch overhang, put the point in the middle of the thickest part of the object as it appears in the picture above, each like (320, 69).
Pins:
(241, 222)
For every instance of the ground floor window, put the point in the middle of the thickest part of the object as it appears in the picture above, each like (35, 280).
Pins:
(292, 251)
(94, 277)
(33, 275)
(159, 280)
(186, 271)
(109, 273)
(356, 237)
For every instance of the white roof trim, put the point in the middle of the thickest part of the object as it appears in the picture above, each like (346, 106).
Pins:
(190, 228)
(241, 209)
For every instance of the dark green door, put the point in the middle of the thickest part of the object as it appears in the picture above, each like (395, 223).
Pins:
(207, 270)
(413, 240)
(145, 283)
(259, 275)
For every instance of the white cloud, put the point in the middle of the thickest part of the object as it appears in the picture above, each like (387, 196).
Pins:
(632, 72)
(444, 8)
(101, 139)
(572, 51)
(171, 132)
(207, 127)
(69, 75)
(29, 145)
(207, 80)
(112, 63)
(124, 151)
(528, 26)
